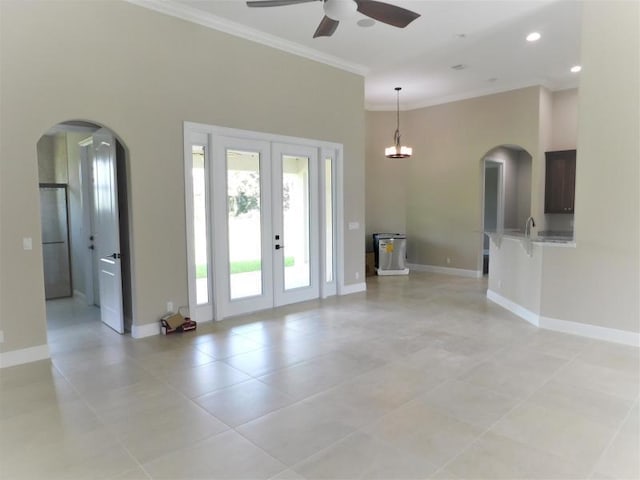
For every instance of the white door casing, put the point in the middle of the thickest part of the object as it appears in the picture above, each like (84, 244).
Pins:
(325, 208)
(107, 238)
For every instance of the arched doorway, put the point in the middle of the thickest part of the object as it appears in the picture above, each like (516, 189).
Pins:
(82, 172)
(506, 193)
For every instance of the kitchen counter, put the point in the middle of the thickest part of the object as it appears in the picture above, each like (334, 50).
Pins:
(551, 238)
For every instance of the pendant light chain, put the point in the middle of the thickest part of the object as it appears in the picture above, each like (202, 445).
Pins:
(396, 136)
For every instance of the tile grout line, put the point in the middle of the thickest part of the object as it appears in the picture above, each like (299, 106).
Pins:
(517, 405)
(634, 404)
(111, 434)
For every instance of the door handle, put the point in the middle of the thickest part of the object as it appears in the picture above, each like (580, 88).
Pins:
(278, 247)
(114, 255)
(91, 247)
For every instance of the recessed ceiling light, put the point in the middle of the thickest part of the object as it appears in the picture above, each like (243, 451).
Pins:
(460, 66)
(461, 35)
(533, 37)
(492, 79)
(366, 22)
(576, 69)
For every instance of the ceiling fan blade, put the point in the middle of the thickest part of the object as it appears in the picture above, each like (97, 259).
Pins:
(386, 13)
(276, 3)
(326, 28)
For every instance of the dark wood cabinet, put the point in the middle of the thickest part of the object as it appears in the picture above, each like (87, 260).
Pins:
(560, 181)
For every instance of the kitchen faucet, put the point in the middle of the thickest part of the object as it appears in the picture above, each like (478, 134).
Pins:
(529, 224)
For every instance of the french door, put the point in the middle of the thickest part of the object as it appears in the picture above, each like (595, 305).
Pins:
(262, 220)
(264, 204)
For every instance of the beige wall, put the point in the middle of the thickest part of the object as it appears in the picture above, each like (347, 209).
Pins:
(598, 282)
(564, 119)
(142, 74)
(444, 199)
(386, 178)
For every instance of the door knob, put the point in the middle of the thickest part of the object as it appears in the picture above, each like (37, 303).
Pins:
(278, 247)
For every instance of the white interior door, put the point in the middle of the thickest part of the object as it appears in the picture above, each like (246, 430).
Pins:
(107, 238)
(265, 222)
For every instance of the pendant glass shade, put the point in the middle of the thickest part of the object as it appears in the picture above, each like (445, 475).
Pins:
(397, 150)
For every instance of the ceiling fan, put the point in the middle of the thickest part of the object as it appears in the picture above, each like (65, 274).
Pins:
(334, 10)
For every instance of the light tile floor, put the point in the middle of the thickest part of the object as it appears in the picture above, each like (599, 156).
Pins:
(419, 377)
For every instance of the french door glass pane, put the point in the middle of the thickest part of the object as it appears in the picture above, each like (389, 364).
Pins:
(295, 213)
(328, 189)
(200, 223)
(243, 217)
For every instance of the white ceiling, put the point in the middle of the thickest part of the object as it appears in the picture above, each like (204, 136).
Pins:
(487, 36)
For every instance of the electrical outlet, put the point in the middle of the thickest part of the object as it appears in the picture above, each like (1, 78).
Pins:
(448, 260)
(499, 283)
(357, 275)
(27, 243)
(169, 306)
(1, 336)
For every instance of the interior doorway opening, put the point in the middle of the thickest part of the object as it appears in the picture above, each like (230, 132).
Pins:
(506, 194)
(72, 165)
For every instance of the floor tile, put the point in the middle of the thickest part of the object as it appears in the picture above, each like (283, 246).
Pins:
(424, 431)
(362, 456)
(496, 457)
(593, 405)
(315, 375)
(403, 380)
(621, 459)
(223, 346)
(243, 402)
(154, 432)
(202, 379)
(265, 360)
(557, 432)
(475, 405)
(384, 389)
(602, 379)
(227, 455)
(296, 432)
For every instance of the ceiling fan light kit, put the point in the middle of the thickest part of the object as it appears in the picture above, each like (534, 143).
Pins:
(340, 10)
(397, 150)
(337, 10)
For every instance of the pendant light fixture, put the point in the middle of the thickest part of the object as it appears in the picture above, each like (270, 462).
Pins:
(397, 150)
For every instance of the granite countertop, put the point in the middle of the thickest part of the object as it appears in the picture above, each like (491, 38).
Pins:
(544, 236)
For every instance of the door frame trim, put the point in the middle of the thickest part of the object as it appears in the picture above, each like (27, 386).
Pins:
(194, 128)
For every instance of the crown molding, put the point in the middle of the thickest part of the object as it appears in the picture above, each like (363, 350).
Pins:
(472, 94)
(214, 22)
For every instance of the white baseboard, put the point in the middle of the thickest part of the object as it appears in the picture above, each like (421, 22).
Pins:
(146, 330)
(460, 272)
(355, 288)
(77, 294)
(566, 326)
(513, 307)
(382, 273)
(24, 355)
(591, 331)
